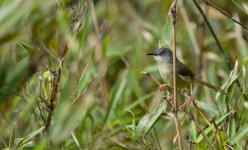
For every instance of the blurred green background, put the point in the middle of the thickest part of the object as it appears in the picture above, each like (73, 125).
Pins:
(94, 53)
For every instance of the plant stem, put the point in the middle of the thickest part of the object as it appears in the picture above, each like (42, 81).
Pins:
(175, 108)
(201, 130)
(53, 97)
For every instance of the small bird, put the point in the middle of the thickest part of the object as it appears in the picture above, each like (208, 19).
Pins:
(185, 77)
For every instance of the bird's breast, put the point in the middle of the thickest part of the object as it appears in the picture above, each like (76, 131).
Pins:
(165, 71)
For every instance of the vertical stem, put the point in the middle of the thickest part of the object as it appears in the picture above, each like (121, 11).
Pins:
(174, 57)
(175, 107)
(53, 98)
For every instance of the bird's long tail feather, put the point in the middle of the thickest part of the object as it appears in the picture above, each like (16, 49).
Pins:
(211, 86)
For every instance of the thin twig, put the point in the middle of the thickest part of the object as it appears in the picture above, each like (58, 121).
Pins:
(160, 148)
(225, 14)
(173, 11)
(55, 86)
(202, 132)
(168, 101)
(75, 91)
(227, 60)
(151, 77)
(203, 115)
(214, 35)
(41, 114)
(53, 97)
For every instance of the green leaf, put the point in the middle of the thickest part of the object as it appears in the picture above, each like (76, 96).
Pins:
(117, 93)
(232, 77)
(9, 36)
(11, 76)
(222, 136)
(21, 141)
(28, 48)
(139, 101)
(147, 121)
(204, 106)
(231, 129)
(131, 128)
(208, 129)
(246, 105)
(84, 80)
(193, 130)
(239, 135)
(11, 13)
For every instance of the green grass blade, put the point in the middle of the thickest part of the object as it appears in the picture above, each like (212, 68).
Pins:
(117, 93)
(21, 141)
(207, 108)
(11, 76)
(239, 135)
(147, 122)
(208, 129)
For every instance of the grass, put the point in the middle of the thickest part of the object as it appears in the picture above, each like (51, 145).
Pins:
(81, 63)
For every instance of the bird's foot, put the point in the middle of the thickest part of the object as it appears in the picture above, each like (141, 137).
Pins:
(184, 106)
(163, 87)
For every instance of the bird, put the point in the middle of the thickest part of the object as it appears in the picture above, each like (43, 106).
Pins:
(185, 77)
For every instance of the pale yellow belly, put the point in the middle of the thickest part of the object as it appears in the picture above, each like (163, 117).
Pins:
(167, 76)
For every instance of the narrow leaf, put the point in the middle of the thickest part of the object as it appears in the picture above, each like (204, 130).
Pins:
(22, 141)
(204, 106)
(208, 129)
(239, 135)
(147, 122)
(117, 93)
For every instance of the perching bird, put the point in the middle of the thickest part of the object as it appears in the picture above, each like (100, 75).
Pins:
(185, 77)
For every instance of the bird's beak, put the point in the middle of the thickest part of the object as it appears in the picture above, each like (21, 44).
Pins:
(152, 53)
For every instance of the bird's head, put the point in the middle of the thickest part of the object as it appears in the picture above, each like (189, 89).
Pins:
(162, 55)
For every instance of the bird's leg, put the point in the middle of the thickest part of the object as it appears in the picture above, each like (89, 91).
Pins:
(184, 106)
(163, 87)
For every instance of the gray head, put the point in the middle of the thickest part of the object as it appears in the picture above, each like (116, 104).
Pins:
(162, 54)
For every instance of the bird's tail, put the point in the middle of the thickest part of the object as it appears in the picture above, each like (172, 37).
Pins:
(211, 86)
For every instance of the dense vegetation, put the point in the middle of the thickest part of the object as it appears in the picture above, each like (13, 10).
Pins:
(71, 74)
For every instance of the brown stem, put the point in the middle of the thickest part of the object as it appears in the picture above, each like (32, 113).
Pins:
(151, 77)
(202, 115)
(53, 98)
(173, 11)
(201, 130)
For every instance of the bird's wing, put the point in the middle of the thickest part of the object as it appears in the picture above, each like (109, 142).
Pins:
(184, 72)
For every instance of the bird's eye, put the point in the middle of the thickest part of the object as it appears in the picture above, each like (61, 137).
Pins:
(161, 53)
